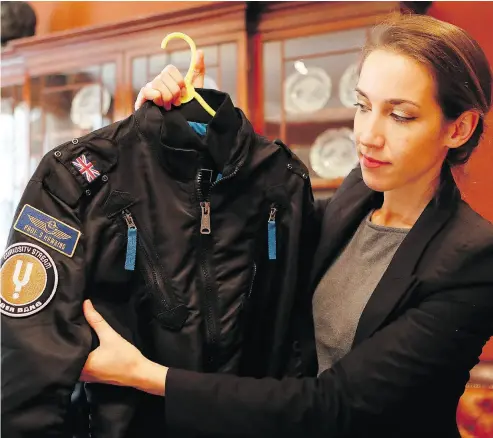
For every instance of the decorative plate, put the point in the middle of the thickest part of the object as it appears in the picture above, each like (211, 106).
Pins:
(349, 81)
(333, 154)
(89, 104)
(307, 93)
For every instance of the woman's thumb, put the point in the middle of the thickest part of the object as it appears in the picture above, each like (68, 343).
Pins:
(199, 70)
(96, 321)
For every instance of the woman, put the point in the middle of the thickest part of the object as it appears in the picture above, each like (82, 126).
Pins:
(402, 280)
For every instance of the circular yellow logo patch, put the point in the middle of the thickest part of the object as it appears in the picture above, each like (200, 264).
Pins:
(28, 280)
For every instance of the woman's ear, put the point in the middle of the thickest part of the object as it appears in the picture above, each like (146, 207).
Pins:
(461, 129)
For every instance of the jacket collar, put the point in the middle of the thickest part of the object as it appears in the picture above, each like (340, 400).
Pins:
(181, 150)
(340, 222)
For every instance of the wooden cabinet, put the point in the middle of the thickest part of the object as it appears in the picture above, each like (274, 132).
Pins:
(67, 76)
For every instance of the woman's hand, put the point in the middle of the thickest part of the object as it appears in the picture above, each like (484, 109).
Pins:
(117, 362)
(166, 88)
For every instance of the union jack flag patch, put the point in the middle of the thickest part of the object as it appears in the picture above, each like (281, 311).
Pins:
(86, 168)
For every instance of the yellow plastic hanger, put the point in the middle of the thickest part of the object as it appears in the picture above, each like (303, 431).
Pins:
(190, 90)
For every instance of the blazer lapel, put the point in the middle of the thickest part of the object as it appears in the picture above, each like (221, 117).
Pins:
(344, 213)
(399, 280)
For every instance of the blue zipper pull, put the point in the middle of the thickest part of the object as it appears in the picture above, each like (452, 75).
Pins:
(271, 233)
(131, 241)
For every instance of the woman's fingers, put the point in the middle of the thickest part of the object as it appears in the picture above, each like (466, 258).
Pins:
(147, 93)
(164, 90)
(199, 70)
(169, 85)
(166, 95)
(174, 81)
(97, 322)
(174, 75)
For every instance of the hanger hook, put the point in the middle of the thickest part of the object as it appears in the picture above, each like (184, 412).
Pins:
(190, 90)
(190, 94)
(193, 49)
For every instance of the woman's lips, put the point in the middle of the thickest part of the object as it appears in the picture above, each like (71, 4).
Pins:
(371, 163)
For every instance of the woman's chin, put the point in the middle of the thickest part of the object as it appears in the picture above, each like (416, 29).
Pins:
(377, 184)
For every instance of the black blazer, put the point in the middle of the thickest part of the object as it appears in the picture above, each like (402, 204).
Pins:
(421, 332)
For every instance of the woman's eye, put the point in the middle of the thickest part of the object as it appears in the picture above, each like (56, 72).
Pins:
(397, 117)
(402, 119)
(361, 107)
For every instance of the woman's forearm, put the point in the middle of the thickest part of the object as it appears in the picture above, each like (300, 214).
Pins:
(150, 377)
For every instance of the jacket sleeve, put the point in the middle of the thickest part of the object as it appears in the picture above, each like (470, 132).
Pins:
(44, 352)
(371, 382)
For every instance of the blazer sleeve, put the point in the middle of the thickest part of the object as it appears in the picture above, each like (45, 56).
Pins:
(43, 352)
(320, 205)
(448, 326)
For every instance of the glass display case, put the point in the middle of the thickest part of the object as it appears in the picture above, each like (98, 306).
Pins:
(69, 104)
(309, 58)
(309, 100)
(14, 150)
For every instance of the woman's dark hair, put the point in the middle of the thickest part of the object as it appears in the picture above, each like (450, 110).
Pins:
(457, 62)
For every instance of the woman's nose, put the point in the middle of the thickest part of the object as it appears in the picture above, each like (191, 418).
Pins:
(370, 133)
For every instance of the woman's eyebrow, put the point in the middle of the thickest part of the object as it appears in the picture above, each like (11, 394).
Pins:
(391, 101)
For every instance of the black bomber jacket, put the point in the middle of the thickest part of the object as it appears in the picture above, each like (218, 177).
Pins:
(191, 247)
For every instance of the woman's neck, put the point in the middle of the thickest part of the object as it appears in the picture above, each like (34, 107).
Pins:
(402, 207)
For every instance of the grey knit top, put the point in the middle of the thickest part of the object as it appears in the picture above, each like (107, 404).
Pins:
(346, 287)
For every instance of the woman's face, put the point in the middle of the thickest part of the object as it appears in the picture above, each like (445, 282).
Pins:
(399, 127)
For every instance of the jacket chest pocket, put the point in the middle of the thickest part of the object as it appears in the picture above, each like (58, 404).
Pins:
(272, 231)
(140, 255)
(269, 248)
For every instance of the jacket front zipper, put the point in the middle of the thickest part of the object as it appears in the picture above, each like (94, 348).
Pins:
(205, 218)
(204, 189)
